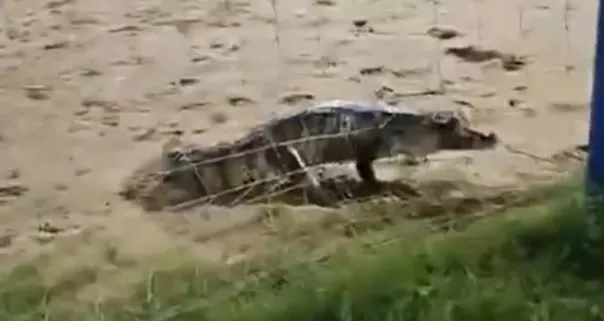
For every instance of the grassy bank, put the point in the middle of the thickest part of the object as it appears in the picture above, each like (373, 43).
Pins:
(543, 262)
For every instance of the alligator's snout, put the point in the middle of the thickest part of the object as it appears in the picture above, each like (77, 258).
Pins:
(485, 141)
(490, 138)
(469, 139)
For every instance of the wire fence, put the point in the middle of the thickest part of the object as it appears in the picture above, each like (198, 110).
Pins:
(240, 173)
(447, 44)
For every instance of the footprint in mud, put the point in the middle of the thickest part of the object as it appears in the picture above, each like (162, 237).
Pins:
(509, 62)
(239, 100)
(293, 99)
(10, 191)
(563, 107)
(443, 33)
(574, 153)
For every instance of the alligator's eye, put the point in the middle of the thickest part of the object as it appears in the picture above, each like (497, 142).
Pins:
(174, 155)
(450, 124)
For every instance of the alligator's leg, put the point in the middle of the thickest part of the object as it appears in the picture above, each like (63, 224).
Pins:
(366, 171)
(367, 150)
(364, 167)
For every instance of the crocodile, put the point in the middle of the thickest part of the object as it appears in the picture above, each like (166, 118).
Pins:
(284, 148)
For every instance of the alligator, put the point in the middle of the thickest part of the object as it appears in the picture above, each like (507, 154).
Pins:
(284, 149)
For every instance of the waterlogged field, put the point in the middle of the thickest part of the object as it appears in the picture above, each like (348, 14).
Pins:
(90, 90)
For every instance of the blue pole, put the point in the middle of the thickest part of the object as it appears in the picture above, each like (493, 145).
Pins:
(595, 159)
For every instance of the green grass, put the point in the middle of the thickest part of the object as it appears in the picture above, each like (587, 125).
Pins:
(543, 262)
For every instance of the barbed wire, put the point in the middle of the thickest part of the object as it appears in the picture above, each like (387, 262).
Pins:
(279, 181)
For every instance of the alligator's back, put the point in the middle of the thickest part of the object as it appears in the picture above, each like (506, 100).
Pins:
(349, 129)
(331, 131)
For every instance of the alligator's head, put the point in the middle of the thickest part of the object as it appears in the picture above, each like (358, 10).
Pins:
(423, 134)
(454, 132)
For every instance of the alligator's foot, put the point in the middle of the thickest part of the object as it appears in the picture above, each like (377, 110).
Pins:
(370, 187)
(414, 161)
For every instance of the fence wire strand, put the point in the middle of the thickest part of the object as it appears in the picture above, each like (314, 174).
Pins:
(280, 182)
